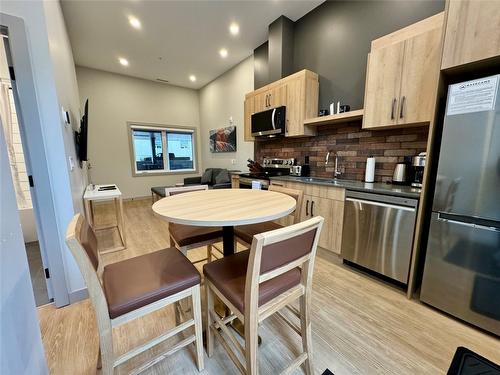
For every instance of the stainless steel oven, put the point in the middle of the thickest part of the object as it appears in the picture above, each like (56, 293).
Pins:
(378, 233)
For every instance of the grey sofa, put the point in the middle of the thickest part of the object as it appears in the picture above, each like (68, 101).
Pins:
(212, 183)
(210, 174)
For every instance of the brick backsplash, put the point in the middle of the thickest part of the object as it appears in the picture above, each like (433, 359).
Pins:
(353, 145)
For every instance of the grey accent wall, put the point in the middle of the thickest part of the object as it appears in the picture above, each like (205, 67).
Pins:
(280, 48)
(334, 39)
(261, 66)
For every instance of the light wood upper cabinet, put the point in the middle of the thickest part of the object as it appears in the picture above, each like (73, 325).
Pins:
(402, 76)
(260, 102)
(383, 84)
(419, 80)
(298, 92)
(472, 32)
(277, 96)
(248, 110)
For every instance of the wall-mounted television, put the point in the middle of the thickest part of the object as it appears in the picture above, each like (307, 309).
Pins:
(81, 136)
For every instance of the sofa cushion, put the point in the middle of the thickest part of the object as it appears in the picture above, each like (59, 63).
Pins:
(215, 172)
(206, 178)
(222, 177)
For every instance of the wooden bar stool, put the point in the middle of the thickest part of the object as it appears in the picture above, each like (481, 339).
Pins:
(188, 237)
(244, 233)
(259, 282)
(133, 288)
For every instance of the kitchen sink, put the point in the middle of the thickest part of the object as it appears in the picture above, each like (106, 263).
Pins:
(332, 181)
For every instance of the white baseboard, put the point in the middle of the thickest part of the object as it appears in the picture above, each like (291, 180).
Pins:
(78, 295)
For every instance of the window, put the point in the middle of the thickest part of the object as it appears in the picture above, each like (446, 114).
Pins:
(158, 149)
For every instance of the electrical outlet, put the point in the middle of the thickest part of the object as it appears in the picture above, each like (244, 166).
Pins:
(71, 164)
(233, 161)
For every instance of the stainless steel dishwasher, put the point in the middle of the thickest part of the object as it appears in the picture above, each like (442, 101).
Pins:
(378, 232)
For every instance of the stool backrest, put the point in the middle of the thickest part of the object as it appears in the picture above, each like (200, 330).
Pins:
(82, 242)
(183, 189)
(298, 195)
(275, 252)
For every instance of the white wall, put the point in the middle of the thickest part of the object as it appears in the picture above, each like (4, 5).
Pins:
(67, 92)
(21, 349)
(53, 71)
(115, 100)
(219, 100)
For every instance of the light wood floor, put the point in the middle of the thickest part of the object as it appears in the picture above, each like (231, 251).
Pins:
(360, 325)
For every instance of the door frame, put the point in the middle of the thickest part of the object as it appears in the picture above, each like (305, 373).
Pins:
(30, 124)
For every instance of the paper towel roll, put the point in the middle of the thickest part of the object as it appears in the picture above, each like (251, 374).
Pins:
(370, 169)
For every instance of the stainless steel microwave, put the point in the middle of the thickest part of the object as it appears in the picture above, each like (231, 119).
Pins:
(269, 123)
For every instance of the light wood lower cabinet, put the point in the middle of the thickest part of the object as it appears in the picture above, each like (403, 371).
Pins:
(324, 201)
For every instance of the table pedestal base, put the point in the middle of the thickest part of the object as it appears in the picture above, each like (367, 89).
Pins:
(228, 240)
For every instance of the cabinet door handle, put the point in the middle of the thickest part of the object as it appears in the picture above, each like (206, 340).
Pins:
(401, 113)
(312, 208)
(269, 100)
(393, 108)
(307, 207)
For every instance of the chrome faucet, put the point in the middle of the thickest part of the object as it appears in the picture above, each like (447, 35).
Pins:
(337, 172)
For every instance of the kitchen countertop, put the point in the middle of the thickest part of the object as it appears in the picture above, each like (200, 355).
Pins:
(376, 187)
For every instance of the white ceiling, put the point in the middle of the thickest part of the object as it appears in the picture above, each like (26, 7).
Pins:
(187, 35)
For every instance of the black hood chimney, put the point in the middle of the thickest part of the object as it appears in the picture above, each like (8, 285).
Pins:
(274, 59)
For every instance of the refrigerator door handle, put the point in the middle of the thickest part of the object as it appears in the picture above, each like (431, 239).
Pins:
(442, 217)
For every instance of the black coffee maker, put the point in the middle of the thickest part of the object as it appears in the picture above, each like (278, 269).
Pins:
(418, 166)
(306, 169)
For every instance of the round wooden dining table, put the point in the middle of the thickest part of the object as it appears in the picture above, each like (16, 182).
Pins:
(225, 208)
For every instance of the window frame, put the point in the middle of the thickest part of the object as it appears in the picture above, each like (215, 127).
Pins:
(131, 126)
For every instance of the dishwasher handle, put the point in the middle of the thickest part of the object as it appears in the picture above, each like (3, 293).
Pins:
(380, 204)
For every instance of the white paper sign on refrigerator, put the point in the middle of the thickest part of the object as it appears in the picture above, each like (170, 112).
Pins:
(472, 96)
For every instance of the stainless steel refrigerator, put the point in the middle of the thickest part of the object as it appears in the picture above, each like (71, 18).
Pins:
(462, 263)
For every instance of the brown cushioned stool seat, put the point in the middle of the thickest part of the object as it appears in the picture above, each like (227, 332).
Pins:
(246, 232)
(229, 274)
(186, 235)
(137, 282)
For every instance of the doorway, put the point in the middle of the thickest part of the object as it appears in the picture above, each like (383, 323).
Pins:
(21, 176)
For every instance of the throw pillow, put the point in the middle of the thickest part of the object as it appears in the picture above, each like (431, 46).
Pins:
(207, 177)
(222, 177)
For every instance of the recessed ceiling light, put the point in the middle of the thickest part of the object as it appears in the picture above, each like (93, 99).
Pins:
(234, 28)
(223, 53)
(136, 24)
(192, 78)
(123, 61)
